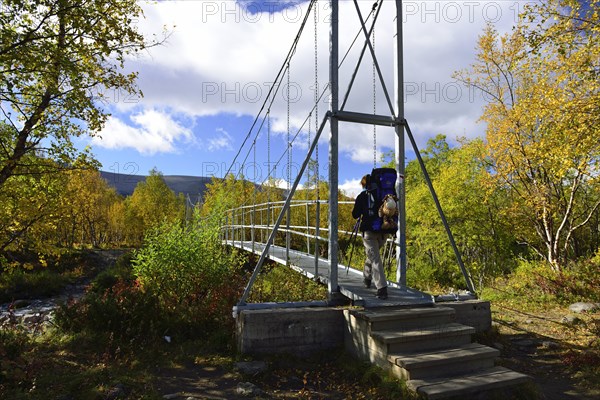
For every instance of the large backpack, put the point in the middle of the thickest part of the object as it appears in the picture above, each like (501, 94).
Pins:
(382, 201)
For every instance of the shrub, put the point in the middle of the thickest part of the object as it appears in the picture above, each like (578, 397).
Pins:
(21, 284)
(183, 284)
(15, 362)
(190, 271)
(120, 271)
(125, 313)
(278, 283)
(31, 276)
(536, 283)
(579, 281)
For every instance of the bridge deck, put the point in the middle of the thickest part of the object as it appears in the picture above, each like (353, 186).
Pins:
(350, 280)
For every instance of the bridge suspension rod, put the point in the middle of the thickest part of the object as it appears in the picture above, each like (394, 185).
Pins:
(283, 212)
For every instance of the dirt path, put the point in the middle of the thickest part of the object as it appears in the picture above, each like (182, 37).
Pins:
(553, 348)
(283, 379)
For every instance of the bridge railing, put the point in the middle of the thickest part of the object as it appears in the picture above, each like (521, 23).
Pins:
(305, 227)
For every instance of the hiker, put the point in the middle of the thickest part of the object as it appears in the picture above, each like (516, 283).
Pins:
(372, 240)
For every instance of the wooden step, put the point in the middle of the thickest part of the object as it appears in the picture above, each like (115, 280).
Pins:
(476, 382)
(425, 338)
(404, 318)
(443, 362)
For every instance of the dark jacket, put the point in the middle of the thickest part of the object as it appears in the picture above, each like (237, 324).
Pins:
(361, 208)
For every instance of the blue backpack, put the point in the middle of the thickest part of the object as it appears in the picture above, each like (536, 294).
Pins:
(382, 200)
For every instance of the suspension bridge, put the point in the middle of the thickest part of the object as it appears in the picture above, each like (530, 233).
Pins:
(248, 228)
(427, 344)
(254, 227)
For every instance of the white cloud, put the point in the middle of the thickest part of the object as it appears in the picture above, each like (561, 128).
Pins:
(152, 132)
(222, 57)
(223, 141)
(351, 187)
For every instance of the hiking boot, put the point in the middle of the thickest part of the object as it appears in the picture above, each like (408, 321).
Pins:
(367, 283)
(382, 293)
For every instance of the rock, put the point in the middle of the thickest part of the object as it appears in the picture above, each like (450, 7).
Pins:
(31, 319)
(524, 342)
(584, 307)
(498, 346)
(171, 396)
(549, 344)
(117, 392)
(247, 389)
(251, 367)
(20, 304)
(570, 320)
(525, 345)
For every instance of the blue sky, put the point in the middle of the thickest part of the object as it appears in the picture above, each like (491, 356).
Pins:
(204, 87)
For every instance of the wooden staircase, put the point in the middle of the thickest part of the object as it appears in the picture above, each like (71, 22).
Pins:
(428, 349)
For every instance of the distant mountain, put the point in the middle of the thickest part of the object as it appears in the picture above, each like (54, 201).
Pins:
(192, 186)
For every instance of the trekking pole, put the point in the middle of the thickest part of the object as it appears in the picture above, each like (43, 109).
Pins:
(355, 233)
(388, 253)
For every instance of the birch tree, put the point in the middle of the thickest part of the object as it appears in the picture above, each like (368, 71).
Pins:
(542, 86)
(59, 60)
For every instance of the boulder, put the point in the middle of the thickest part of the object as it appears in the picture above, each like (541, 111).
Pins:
(580, 307)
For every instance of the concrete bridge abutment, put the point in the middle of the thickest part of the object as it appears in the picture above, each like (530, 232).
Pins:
(304, 330)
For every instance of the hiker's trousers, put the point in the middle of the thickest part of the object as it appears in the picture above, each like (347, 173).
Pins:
(373, 242)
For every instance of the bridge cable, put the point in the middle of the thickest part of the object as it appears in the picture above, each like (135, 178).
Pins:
(290, 54)
(377, 7)
(316, 108)
(269, 166)
(295, 136)
(279, 78)
(289, 167)
(379, 73)
(357, 35)
(374, 103)
(279, 83)
(316, 171)
(270, 100)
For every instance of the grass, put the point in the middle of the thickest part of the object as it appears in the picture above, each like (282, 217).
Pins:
(20, 284)
(278, 284)
(332, 374)
(534, 303)
(56, 365)
(563, 351)
(33, 280)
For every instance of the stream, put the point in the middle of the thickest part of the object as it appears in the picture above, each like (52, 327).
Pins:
(35, 314)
